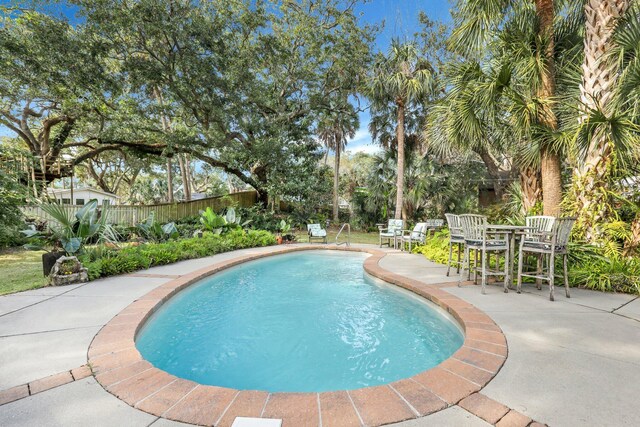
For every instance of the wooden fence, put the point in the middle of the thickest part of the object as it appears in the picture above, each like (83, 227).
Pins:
(165, 212)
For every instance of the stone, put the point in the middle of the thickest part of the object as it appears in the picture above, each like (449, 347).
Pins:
(67, 271)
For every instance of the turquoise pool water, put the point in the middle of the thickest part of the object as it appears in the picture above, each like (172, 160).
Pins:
(304, 322)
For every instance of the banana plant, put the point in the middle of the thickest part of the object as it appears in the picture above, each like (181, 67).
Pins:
(154, 231)
(73, 231)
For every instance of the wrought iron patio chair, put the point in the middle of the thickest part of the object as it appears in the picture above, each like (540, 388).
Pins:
(417, 235)
(392, 232)
(455, 238)
(484, 240)
(549, 245)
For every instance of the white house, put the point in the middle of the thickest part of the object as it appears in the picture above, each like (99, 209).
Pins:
(82, 195)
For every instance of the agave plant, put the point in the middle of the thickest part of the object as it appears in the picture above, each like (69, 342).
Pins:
(73, 231)
(154, 231)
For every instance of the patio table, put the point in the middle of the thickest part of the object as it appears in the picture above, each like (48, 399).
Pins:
(512, 231)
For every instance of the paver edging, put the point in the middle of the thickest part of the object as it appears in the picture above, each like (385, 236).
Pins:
(121, 370)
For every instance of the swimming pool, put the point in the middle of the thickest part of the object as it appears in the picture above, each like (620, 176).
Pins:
(302, 322)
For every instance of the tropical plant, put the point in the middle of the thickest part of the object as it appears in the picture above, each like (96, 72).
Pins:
(400, 79)
(72, 231)
(530, 50)
(211, 221)
(154, 231)
(334, 127)
(607, 138)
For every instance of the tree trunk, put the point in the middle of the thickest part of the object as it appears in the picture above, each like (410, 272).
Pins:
(336, 182)
(550, 161)
(185, 177)
(169, 180)
(591, 177)
(400, 174)
(530, 185)
(493, 170)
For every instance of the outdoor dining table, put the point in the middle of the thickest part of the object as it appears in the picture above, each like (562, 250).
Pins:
(512, 231)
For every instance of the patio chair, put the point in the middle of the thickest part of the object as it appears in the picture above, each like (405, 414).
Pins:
(316, 231)
(455, 238)
(548, 245)
(417, 235)
(538, 224)
(434, 225)
(393, 231)
(478, 237)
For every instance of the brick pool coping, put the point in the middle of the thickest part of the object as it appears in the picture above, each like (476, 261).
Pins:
(121, 370)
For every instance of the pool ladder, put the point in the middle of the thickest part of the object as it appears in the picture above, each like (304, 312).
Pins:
(348, 241)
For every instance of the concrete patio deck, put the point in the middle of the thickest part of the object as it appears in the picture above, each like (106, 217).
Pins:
(571, 362)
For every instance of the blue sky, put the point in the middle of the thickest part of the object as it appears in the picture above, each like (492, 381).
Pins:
(401, 21)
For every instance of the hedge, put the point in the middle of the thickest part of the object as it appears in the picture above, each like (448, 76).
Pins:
(103, 263)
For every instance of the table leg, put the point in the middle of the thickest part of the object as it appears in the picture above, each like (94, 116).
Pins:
(512, 246)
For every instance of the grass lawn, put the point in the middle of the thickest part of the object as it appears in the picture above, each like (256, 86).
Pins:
(356, 236)
(21, 270)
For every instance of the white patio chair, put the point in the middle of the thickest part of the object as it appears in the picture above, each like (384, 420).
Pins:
(455, 238)
(549, 245)
(417, 235)
(316, 231)
(478, 237)
(392, 232)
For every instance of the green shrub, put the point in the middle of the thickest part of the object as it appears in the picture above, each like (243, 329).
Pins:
(436, 248)
(102, 262)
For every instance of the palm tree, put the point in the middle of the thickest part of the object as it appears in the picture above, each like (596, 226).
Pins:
(600, 71)
(401, 80)
(519, 42)
(334, 129)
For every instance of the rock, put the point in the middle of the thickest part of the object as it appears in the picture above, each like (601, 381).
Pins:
(67, 271)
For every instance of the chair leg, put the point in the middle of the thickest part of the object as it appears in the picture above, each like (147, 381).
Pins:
(566, 275)
(539, 272)
(520, 259)
(475, 266)
(464, 260)
(551, 276)
(450, 254)
(458, 265)
(507, 261)
(484, 271)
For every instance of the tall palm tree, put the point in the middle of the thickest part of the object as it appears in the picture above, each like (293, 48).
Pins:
(334, 129)
(600, 71)
(530, 30)
(401, 80)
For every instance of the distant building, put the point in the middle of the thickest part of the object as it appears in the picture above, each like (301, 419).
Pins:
(82, 195)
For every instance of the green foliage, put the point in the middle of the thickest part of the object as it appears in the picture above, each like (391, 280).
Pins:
(72, 231)
(436, 248)
(102, 263)
(156, 232)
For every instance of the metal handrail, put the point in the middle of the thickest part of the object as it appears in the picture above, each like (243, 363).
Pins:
(348, 241)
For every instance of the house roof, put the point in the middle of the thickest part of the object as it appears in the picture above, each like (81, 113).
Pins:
(56, 191)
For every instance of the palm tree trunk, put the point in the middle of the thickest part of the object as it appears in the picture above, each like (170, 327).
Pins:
(598, 79)
(550, 161)
(336, 181)
(400, 174)
(530, 184)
